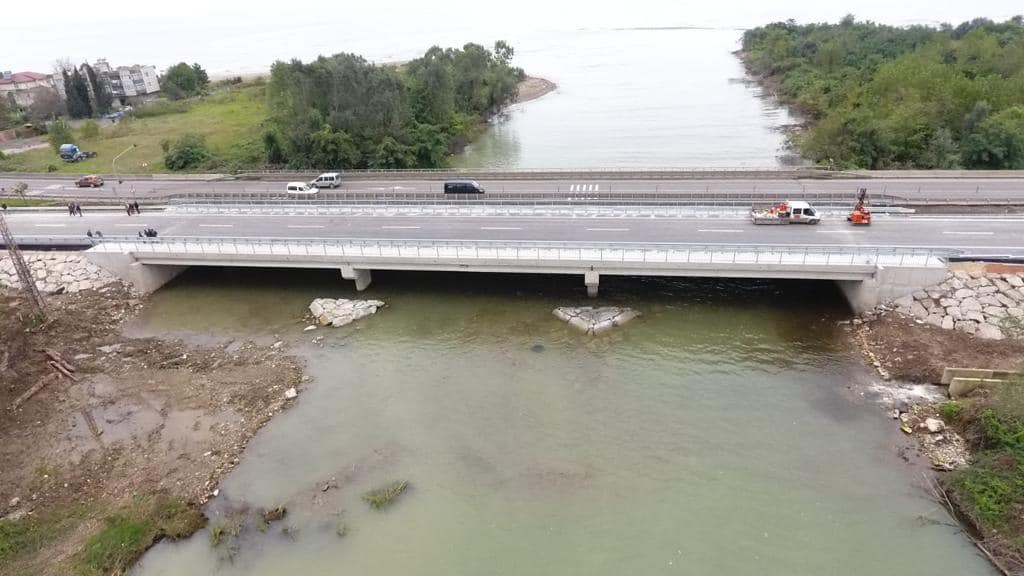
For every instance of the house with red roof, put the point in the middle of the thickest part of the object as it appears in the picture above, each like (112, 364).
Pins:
(25, 87)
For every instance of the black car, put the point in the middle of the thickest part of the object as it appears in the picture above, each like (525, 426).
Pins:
(463, 187)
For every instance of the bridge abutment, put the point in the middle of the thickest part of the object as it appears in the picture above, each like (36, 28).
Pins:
(144, 278)
(362, 276)
(889, 283)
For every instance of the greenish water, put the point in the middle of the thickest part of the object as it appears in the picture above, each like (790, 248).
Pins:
(720, 433)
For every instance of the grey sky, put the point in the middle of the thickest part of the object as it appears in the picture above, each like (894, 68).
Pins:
(248, 36)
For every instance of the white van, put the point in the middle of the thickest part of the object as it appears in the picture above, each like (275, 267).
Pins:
(301, 189)
(327, 180)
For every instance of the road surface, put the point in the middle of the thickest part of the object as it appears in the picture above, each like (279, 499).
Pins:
(1002, 236)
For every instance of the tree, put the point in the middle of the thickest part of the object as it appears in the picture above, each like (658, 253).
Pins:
(184, 81)
(189, 151)
(77, 94)
(202, 78)
(9, 115)
(59, 134)
(101, 97)
(46, 105)
(90, 130)
(942, 152)
(273, 148)
(998, 142)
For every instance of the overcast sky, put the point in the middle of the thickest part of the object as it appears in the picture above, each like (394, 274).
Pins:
(231, 35)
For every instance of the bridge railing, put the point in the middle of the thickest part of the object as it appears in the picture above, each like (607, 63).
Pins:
(291, 249)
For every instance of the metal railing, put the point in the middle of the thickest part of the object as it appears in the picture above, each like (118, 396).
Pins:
(290, 249)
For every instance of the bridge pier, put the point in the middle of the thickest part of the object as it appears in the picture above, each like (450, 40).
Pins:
(360, 275)
(592, 279)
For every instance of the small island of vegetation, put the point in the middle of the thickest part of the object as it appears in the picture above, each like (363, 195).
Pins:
(883, 97)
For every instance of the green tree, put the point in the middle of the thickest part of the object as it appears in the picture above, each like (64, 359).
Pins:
(184, 81)
(942, 152)
(998, 142)
(77, 90)
(101, 98)
(187, 152)
(333, 148)
(59, 133)
(9, 114)
(273, 148)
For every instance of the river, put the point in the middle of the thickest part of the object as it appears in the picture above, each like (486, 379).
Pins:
(723, 432)
(635, 99)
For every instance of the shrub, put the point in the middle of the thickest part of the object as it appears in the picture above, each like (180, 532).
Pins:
(90, 130)
(60, 133)
(159, 108)
(189, 151)
(384, 496)
(951, 410)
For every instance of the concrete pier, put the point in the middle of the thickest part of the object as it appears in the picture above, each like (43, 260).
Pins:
(592, 280)
(360, 275)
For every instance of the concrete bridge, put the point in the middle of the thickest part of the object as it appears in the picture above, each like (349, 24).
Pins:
(867, 276)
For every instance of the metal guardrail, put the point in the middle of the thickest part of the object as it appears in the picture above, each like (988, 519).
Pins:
(528, 251)
(333, 197)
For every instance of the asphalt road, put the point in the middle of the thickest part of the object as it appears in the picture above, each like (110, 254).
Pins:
(933, 189)
(977, 235)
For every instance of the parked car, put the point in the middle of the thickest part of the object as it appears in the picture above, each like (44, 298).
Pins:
(463, 187)
(327, 180)
(90, 181)
(301, 189)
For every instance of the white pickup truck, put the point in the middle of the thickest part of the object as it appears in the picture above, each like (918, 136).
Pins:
(788, 212)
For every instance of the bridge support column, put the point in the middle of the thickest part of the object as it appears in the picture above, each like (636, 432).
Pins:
(592, 279)
(360, 275)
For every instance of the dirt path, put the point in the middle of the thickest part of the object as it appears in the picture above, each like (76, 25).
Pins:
(145, 417)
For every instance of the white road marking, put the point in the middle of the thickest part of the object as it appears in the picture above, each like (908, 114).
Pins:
(399, 227)
(500, 228)
(607, 229)
(717, 230)
(969, 233)
(216, 225)
(304, 226)
(51, 225)
(840, 231)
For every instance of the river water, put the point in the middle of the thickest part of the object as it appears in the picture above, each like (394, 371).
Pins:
(723, 432)
(635, 99)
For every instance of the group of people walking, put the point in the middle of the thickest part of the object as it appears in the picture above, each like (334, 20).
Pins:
(74, 209)
(132, 208)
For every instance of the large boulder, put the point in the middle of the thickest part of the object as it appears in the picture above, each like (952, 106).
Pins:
(1015, 281)
(964, 293)
(918, 310)
(967, 326)
(339, 312)
(948, 323)
(990, 332)
(955, 313)
(906, 301)
(970, 305)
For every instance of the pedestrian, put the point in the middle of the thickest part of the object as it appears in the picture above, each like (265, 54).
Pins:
(3, 207)
(71, 208)
(78, 209)
(99, 234)
(128, 208)
(89, 233)
(136, 206)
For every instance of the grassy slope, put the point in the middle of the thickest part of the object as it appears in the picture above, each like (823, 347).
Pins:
(230, 120)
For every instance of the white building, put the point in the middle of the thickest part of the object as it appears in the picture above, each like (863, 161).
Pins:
(127, 81)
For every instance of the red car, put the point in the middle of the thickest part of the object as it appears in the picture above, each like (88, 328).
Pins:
(91, 181)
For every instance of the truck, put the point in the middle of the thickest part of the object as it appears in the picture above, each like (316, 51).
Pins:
(71, 153)
(788, 212)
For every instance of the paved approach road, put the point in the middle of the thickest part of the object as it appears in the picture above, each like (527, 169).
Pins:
(917, 188)
(992, 236)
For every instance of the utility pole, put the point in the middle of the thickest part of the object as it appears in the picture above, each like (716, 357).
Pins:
(28, 284)
(113, 167)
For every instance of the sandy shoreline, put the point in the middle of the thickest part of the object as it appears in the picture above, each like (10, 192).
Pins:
(533, 88)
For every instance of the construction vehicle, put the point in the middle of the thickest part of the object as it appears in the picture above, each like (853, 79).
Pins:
(861, 215)
(788, 212)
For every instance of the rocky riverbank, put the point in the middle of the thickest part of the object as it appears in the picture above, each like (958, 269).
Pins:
(340, 312)
(532, 88)
(56, 272)
(139, 430)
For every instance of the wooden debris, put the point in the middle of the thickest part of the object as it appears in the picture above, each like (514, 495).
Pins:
(62, 370)
(56, 357)
(32, 391)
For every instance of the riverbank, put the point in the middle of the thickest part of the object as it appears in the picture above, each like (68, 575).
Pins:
(532, 88)
(119, 446)
(974, 444)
